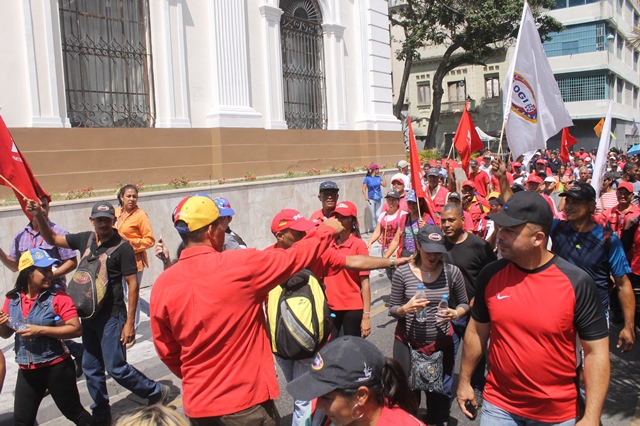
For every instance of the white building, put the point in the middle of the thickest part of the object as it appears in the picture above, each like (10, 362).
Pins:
(233, 64)
(591, 59)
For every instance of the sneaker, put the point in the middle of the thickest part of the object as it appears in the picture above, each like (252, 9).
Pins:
(131, 343)
(78, 362)
(163, 398)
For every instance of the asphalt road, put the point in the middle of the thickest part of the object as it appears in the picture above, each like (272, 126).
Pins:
(621, 407)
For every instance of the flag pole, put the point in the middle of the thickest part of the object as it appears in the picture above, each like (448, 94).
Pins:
(14, 188)
(509, 82)
(450, 151)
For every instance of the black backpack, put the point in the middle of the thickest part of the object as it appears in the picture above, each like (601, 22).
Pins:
(298, 317)
(88, 286)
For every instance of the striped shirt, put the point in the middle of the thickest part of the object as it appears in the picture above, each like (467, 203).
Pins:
(405, 285)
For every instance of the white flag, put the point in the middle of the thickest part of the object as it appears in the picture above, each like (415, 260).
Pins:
(533, 106)
(601, 157)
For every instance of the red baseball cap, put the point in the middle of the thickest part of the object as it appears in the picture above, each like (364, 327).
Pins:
(626, 185)
(541, 161)
(290, 219)
(345, 208)
(469, 183)
(534, 179)
(517, 164)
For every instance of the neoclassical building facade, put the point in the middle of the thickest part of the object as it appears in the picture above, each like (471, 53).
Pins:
(202, 88)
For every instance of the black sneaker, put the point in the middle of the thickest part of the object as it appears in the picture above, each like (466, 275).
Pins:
(163, 398)
(102, 422)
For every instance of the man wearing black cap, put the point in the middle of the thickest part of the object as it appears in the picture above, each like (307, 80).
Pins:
(533, 303)
(105, 335)
(328, 196)
(584, 243)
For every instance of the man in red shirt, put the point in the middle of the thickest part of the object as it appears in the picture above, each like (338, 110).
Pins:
(479, 178)
(207, 319)
(618, 216)
(435, 192)
(476, 205)
(513, 304)
(328, 196)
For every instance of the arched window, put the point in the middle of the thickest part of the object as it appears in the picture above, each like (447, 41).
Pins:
(107, 62)
(303, 65)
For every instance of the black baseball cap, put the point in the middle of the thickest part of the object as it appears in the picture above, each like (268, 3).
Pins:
(473, 163)
(431, 239)
(344, 363)
(393, 194)
(103, 209)
(580, 191)
(524, 207)
(329, 186)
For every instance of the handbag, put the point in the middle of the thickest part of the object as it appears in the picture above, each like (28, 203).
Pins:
(427, 372)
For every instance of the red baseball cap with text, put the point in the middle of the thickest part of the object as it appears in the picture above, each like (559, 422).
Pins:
(290, 219)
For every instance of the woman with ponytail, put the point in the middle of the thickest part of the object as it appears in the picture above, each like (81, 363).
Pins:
(348, 292)
(41, 318)
(352, 383)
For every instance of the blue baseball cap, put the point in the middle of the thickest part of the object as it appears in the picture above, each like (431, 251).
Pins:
(411, 196)
(224, 206)
(36, 257)
(329, 186)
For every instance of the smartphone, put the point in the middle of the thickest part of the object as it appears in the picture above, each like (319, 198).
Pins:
(471, 409)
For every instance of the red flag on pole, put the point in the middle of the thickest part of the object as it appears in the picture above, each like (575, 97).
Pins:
(416, 176)
(15, 171)
(567, 141)
(466, 139)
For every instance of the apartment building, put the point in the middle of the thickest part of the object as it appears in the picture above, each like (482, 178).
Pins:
(592, 59)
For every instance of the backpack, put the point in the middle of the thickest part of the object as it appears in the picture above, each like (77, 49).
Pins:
(298, 317)
(88, 286)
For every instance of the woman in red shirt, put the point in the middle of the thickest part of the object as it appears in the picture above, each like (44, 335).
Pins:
(348, 292)
(389, 223)
(41, 318)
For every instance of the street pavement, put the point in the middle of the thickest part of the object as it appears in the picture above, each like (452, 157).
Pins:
(622, 407)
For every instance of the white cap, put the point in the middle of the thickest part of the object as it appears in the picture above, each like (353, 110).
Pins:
(550, 179)
(402, 164)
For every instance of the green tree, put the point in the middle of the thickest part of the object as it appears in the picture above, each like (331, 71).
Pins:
(471, 31)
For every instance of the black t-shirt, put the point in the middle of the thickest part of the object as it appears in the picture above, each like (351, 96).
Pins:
(121, 263)
(470, 256)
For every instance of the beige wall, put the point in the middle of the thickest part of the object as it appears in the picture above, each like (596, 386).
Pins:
(255, 204)
(66, 159)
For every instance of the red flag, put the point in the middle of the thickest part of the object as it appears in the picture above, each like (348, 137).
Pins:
(15, 171)
(567, 141)
(466, 139)
(416, 176)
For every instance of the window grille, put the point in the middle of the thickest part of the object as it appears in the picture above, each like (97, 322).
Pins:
(575, 39)
(492, 87)
(561, 4)
(107, 62)
(303, 65)
(583, 88)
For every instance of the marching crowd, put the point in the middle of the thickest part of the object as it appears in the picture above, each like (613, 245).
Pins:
(519, 266)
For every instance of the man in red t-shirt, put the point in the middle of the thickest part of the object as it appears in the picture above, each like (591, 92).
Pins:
(479, 178)
(533, 303)
(328, 196)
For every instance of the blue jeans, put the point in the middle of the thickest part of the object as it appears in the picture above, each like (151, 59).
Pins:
(103, 351)
(291, 370)
(125, 288)
(478, 378)
(374, 208)
(494, 416)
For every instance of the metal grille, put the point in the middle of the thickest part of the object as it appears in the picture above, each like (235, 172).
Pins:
(574, 39)
(561, 4)
(106, 46)
(583, 88)
(303, 65)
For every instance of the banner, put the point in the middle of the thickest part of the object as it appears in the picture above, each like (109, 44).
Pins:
(565, 144)
(598, 128)
(533, 107)
(466, 139)
(15, 171)
(601, 156)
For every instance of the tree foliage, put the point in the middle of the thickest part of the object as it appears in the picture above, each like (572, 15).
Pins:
(470, 31)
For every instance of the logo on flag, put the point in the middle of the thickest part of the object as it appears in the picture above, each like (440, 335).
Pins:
(523, 102)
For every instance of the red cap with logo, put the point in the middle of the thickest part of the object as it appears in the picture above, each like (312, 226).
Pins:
(534, 179)
(290, 219)
(345, 208)
(469, 183)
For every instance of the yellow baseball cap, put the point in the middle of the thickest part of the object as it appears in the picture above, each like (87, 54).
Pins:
(37, 257)
(197, 211)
